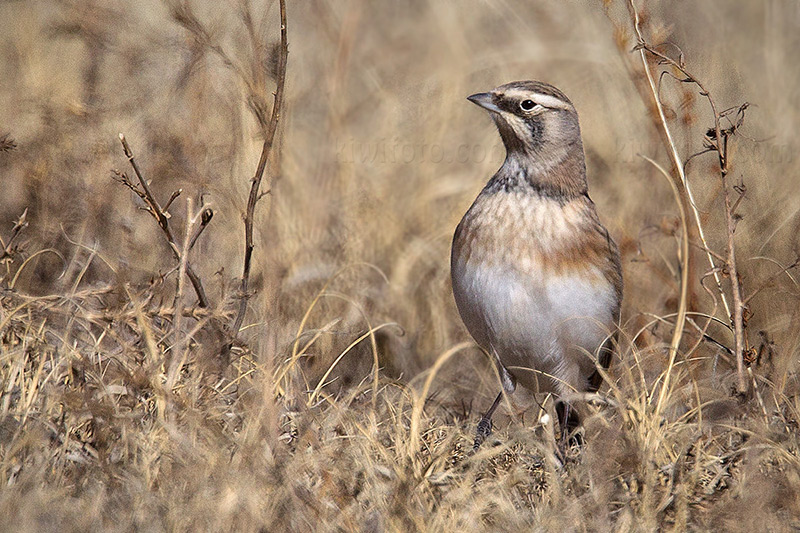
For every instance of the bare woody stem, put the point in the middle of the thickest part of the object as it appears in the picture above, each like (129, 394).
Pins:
(255, 182)
(738, 305)
(160, 215)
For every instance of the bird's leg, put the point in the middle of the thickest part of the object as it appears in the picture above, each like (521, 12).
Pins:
(485, 425)
(568, 421)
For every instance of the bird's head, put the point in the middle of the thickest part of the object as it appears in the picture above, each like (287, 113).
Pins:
(534, 118)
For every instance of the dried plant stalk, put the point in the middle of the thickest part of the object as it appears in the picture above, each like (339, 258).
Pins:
(255, 182)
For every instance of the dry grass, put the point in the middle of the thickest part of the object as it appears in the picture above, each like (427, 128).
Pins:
(376, 157)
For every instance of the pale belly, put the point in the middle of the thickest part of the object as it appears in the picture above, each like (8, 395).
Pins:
(545, 329)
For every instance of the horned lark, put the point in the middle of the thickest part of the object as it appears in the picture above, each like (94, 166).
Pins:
(536, 276)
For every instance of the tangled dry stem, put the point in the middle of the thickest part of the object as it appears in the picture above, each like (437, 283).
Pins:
(718, 144)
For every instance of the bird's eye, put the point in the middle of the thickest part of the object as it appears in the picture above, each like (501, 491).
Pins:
(527, 105)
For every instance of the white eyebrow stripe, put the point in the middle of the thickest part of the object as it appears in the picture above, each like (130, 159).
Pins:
(545, 100)
(550, 101)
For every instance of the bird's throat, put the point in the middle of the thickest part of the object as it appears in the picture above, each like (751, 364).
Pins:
(559, 173)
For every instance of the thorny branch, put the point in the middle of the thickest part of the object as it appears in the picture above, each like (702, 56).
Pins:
(255, 182)
(162, 217)
(20, 224)
(7, 144)
(205, 218)
(716, 141)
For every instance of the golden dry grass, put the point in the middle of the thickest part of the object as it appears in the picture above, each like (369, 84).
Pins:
(378, 155)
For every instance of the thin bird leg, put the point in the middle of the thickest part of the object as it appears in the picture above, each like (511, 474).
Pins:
(568, 421)
(485, 425)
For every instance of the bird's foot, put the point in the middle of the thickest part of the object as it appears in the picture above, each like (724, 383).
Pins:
(569, 447)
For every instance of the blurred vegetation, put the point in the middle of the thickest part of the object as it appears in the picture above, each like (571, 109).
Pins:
(376, 158)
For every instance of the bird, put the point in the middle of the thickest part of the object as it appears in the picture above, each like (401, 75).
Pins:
(536, 277)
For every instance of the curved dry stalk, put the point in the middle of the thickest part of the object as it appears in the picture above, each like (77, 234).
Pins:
(31, 258)
(680, 320)
(419, 403)
(297, 352)
(370, 333)
(773, 277)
